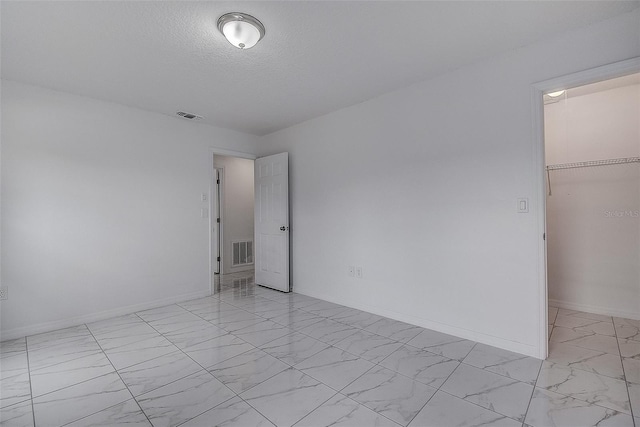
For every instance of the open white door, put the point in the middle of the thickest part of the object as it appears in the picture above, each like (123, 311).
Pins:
(272, 221)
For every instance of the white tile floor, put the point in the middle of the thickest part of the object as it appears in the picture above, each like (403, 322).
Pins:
(250, 356)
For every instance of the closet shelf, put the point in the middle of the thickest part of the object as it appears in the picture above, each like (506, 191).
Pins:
(594, 163)
(589, 164)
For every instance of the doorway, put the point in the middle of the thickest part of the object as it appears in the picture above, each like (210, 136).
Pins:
(232, 219)
(592, 153)
(589, 175)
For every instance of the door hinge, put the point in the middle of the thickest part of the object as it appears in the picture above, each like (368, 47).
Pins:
(544, 236)
(218, 259)
(217, 181)
(218, 220)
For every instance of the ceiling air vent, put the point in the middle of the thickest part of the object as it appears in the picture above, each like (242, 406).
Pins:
(189, 116)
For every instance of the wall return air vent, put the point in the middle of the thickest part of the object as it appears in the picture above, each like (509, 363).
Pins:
(188, 116)
(242, 252)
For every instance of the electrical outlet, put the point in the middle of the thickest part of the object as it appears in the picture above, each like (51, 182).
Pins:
(352, 271)
(4, 293)
(359, 272)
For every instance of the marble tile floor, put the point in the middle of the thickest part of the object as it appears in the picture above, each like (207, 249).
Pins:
(250, 356)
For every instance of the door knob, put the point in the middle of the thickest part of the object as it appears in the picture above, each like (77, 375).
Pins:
(283, 228)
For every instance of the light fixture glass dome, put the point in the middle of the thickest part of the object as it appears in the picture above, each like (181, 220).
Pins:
(241, 30)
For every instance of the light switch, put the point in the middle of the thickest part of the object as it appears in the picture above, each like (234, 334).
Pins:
(204, 213)
(203, 197)
(523, 205)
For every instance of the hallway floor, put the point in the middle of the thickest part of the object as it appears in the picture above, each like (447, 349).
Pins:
(251, 356)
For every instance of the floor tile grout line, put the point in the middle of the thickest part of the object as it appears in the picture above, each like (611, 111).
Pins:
(255, 385)
(356, 327)
(479, 406)
(287, 363)
(119, 376)
(339, 391)
(272, 422)
(585, 401)
(33, 409)
(219, 362)
(439, 387)
(413, 379)
(92, 353)
(88, 353)
(210, 409)
(106, 409)
(586, 370)
(585, 348)
(358, 403)
(532, 392)
(291, 367)
(205, 369)
(626, 383)
(375, 364)
(402, 344)
(196, 362)
(330, 318)
(80, 382)
(460, 362)
(473, 403)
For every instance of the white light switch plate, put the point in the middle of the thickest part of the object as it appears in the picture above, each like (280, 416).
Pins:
(523, 205)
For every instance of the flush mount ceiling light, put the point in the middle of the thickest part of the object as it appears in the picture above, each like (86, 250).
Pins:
(556, 94)
(241, 30)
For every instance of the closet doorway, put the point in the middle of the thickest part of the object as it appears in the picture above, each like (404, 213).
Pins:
(592, 168)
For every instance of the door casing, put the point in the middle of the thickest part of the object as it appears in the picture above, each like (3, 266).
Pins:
(212, 252)
(605, 72)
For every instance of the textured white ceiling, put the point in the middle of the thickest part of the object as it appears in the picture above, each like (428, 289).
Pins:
(316, 57)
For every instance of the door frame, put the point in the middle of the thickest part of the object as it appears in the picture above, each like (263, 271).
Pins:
(212, 153)
(218, 200)
(605, 72)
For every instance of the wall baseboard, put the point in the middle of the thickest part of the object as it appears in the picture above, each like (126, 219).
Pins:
(606, 311)
(95, 317)
(517, 347)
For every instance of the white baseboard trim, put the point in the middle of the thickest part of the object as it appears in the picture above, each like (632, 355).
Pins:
(517, 347)
(606, 311)
(95, 317)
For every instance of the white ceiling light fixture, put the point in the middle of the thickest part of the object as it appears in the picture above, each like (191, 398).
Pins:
(556, 94)
(241, 30)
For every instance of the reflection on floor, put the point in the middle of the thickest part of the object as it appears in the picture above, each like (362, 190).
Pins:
(239, 281)
(250, 356)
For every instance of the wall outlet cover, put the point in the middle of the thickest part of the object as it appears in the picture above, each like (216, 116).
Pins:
(359, 272)
(4, 293)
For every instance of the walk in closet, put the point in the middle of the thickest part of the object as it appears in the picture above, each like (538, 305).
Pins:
(592, 153)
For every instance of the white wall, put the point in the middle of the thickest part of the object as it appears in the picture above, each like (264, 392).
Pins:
(419, 187)
(100, 208)
(593, 214)
(237, 206)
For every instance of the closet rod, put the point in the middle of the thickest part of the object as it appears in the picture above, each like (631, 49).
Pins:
(594, 163)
